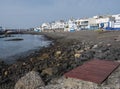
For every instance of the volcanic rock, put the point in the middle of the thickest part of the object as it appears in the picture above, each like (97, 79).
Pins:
(31, 80)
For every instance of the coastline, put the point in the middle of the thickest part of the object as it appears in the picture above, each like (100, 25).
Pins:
(67, 51)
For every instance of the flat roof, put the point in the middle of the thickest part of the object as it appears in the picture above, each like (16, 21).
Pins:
(95, 70)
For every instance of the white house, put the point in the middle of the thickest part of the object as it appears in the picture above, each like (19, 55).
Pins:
(46, 26)
(58, 25)
(105, 22)
(92, 24)
(116, 25)
(72, 26)
(84, 23)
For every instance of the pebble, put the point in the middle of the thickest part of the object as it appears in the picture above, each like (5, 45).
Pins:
(108, 45)
(6, 73)
(77, 55)
(95, 46)
(48, 71)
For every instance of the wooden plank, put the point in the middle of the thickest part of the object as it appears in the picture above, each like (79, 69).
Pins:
(95, 70)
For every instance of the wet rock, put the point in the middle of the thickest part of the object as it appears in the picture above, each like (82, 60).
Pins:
(31, 80)
(87, 55)
(45, 56)
(48, 71)
(15, 39)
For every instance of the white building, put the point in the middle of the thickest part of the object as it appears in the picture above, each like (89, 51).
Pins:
(46, 26)
(71, 25)
(83, 23)
(92, 24)
(105, 22)
(116, 25)
(58, 25)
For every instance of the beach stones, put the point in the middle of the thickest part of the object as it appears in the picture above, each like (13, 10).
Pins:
(6, 73)
(58, 53)
(77, 55)
(48, 71)
(45, 56)
(108, 45)
(31, 80)
(86, 48)
(95, 46)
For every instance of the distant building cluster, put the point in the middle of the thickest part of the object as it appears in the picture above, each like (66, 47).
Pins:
(106, 22)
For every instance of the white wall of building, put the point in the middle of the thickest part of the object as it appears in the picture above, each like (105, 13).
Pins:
(46, 26)
(117, 21)
(72, 25)
(107, 21)
(58, 25)
(84, 23)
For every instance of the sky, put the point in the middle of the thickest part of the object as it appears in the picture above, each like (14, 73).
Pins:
(32, 13)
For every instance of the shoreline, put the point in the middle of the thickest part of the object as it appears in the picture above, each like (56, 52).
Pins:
(67, 51)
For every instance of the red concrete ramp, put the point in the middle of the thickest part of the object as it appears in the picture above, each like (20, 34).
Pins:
(96, 71)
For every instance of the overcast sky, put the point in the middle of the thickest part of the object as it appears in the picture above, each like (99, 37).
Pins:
(32, 13)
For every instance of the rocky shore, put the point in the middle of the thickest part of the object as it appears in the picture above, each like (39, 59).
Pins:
(67, 51)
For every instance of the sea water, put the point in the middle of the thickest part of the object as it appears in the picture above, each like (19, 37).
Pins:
(10, 49)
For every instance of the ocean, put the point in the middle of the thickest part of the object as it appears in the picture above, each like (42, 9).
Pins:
(9, 50)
